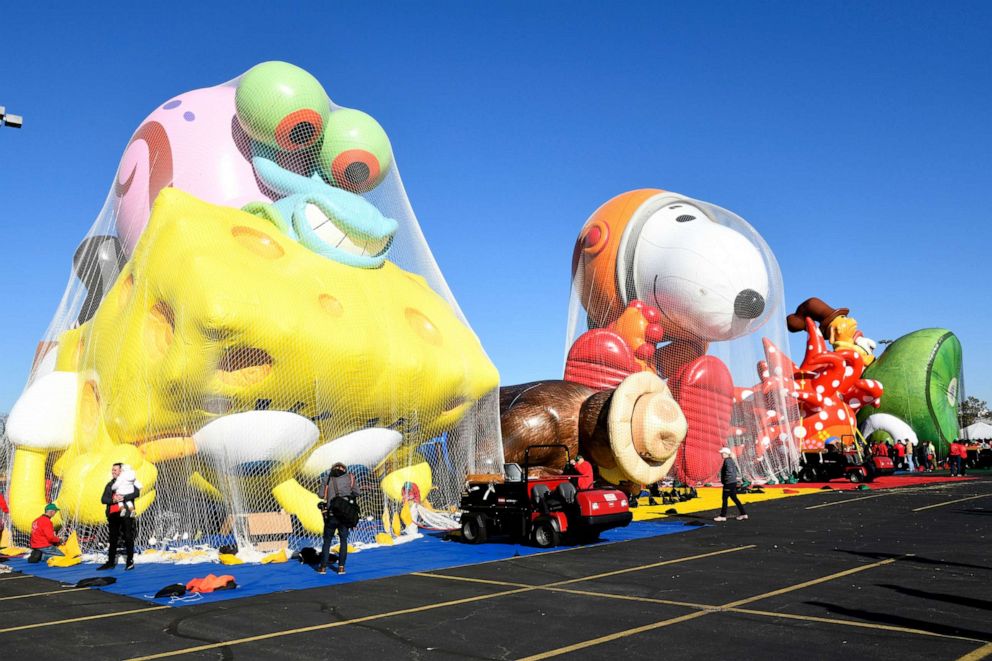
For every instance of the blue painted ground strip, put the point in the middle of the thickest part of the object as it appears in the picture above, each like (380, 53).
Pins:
(427, 554)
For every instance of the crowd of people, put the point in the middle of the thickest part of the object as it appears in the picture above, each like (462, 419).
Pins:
(922, 457)
(906, 456)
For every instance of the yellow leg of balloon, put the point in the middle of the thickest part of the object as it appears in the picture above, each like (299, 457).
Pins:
(202, 484)
(297, 500)
(27, 487)
(164, 449)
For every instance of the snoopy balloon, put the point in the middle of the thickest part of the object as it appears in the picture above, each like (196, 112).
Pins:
(661, 277)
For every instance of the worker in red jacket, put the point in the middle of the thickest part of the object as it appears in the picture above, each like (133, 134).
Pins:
(900, 455)
(954, 458)
(44, 541)
(3, 510)
(584, 469)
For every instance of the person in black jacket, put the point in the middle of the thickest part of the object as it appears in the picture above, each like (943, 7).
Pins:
(338, 483)
(119, 525)
(730, 477)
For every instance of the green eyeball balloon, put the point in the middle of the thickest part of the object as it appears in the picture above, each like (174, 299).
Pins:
(921, 373)
(355, 154)
(282, 105)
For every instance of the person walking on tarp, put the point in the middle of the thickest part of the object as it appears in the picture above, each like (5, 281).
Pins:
(44, 541)
(120, 519)
(340, 513)
(730, 477)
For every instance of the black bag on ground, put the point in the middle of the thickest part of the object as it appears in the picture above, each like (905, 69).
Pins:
(308, 555)
(96, 582)
(345, 510)
(174, 590)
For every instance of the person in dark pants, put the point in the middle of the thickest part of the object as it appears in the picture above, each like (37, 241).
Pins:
(954, 458)
(730, 477)
(119, 526)
(44, 541)
(338, 482)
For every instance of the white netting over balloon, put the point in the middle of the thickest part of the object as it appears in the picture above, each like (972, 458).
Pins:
(254, 303)
(666, 284)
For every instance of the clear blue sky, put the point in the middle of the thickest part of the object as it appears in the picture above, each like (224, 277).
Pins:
(856, 137)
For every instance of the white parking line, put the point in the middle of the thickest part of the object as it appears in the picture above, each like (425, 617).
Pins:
(844, 502)
(951, 502)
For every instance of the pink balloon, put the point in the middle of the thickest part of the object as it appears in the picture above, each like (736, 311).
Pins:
(193, 143)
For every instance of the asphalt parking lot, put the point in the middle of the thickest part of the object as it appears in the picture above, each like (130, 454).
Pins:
(835, 575)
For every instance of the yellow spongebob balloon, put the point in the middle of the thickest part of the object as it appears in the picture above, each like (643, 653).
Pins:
(256, 316)
(226, 343)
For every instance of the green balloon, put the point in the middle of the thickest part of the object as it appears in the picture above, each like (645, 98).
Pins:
(282, 105)
(921, 374)
(356, 154)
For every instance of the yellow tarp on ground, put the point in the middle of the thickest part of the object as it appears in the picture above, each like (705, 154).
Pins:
(7, 544)
(275, 558)
(71, 553)
(709, 499)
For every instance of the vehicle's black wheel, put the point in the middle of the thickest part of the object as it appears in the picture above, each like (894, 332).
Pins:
(473, 528)
(855, 476)
(808, 474)
(544, 535)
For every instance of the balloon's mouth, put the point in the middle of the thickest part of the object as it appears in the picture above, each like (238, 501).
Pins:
(340, 235)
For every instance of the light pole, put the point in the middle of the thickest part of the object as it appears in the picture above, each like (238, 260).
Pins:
(13, 121)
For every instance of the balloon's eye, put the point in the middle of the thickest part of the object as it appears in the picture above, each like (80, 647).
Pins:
(299, 129)
(356, 154)
(356, 170)
(282, 106)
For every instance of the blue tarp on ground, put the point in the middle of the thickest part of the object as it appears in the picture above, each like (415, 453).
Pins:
(426, 554)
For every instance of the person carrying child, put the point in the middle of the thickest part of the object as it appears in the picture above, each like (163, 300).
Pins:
(119, 495)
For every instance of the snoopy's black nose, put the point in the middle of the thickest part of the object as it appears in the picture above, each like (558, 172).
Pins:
(749, 304)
